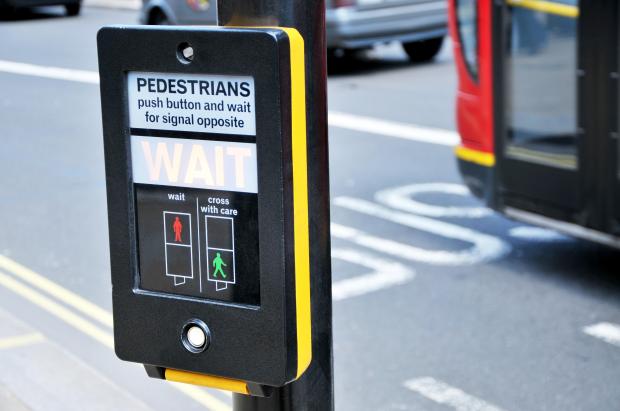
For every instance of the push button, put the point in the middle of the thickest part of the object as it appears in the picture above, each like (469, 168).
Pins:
(195, 336)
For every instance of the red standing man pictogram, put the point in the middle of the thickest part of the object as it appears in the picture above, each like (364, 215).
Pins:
(177, 226)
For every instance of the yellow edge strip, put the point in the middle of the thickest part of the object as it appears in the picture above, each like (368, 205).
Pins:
(549, 7)
(300, 200)
(474, 156)
(204, 380)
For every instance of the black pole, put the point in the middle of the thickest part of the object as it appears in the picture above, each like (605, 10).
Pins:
(314, 391)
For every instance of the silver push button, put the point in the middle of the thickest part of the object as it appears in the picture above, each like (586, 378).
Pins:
(195, 336)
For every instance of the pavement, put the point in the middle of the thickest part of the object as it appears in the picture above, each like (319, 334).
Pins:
(460, 309)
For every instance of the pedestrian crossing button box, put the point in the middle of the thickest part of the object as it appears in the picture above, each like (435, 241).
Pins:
(207, 190)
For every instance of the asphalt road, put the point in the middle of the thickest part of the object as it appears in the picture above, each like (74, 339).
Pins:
(461, 309)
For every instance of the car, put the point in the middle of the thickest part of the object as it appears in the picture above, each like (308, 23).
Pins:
(351, 25)
(187, 12)
(420, 25)
(72, 7)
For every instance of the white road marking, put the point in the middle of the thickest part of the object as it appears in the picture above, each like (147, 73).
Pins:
(401, 198)
(536, 234)
(390, 247)
(393, 129)
(338, 119)
(484, 247)
(607, 332)
(442, 393)
(57, 73)
(386, 274)
(21, 340)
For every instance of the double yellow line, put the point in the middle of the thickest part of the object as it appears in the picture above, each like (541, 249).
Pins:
(25, 282)
(21, 340)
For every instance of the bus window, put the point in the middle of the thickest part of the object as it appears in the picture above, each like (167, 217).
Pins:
(541, 75)
(467, 20)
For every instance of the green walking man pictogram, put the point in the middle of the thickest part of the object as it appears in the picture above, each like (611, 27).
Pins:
(218, 263)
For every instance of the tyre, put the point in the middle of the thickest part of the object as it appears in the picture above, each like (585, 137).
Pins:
(6, 11)
(73, 9)
(158, 18)
(423, 50)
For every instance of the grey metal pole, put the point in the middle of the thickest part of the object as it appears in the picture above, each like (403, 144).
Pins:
(314, 391)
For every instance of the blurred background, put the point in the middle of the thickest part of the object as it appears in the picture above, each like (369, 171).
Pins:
(475, 190)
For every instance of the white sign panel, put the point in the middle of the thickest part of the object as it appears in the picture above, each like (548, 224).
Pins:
(200, 164)
(192, 102)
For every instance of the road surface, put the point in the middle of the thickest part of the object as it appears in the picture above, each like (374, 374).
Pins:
(439, 303)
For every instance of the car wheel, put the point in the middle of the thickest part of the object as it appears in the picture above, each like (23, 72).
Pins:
(159, 19)
(73, 9)
(423, 50)
(342, 55)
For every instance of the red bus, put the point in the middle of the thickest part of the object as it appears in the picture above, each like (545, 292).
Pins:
(537, 110)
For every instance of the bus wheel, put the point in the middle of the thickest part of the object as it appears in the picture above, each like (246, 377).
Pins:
(423, 50)
(73, 9)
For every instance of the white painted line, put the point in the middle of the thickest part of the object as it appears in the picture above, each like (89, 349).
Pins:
(445, 394)
(393, 129)
(484, 247)
(536, 234)
(392, 247)
(401, 199)
(68, 297)
(81, 76)
(607, 332)
(21, 340)
(338, 119)
(385, 274)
